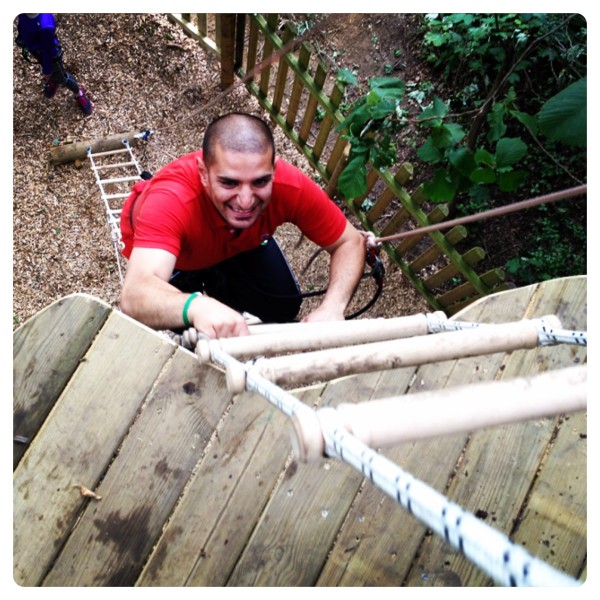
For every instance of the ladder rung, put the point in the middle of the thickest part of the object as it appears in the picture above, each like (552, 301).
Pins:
(109, 152)
(118, 180)
(115, 196)
(115, 165)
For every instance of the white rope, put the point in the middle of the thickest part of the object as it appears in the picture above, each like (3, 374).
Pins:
(506, 563)
(547, 333)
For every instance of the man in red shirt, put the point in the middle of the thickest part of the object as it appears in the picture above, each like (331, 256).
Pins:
(204, 224)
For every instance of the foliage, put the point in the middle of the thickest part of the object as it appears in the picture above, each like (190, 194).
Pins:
(555, 248)
(513, 83)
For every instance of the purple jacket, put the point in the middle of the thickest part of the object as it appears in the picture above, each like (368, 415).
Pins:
(37, 34)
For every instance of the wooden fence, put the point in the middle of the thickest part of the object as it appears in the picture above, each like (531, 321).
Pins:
(303, 98)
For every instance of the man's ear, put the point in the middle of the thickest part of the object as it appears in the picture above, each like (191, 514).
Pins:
(203, 170)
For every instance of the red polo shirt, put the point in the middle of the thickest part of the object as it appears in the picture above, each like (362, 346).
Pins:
(172, 212)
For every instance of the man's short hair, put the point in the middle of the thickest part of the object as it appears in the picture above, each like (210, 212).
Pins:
(237, 132)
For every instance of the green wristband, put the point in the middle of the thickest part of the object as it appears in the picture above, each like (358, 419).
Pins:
(186, 307)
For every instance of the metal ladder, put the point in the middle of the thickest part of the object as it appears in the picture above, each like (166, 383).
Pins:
(112, 189)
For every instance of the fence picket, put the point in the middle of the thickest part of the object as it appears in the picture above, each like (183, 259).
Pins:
(429, 256)
(471, 257)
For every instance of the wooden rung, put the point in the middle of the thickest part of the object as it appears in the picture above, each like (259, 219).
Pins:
(115, 196)
(114, 165)
(461, 409)
(109, 152)
(322, 365)
(297, 337)
(119, 180)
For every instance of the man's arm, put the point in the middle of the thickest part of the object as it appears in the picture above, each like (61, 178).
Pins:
(148, 297)
(345, 271)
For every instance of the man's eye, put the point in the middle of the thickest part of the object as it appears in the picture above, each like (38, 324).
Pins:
(262, 182)
(228, 183)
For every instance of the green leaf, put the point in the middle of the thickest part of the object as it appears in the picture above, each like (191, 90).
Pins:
(346, 77)
(429, 152)
(441, 188)
(563, 118)
(483, 157)
(432, 116)
(447, 135)
(509, 182)
(390, 83)
(352, 182)
(482, 175)
(462, 160)
(381, 109)
(509, 151)
(457, 133)
(384, 156)
(527, 120)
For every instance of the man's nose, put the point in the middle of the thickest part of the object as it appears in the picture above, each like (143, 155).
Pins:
(246, 197)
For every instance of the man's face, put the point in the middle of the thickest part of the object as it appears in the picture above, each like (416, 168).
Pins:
(239, 185)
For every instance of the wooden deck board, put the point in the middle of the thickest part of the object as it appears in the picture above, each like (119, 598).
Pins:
(379, 547)
(201, 489)
(314, 499)
(226, 496)
(76, 445)
(499, 464)
(114, 536)
(41, 370)
(553, 525)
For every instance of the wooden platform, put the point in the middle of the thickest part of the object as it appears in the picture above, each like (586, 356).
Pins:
(201, 489)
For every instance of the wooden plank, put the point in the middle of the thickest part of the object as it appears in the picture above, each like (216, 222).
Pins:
(265, 74)
(282, 71)
(401, 177)
(227, 46)
(78, 440)
(335, 98)
(553, 524)
(467, 290)
(431, 254)
(379, 541)
(471, 257)
(47, 350)
(114, 537)
(311, 105)
(252, 49)
(487, 468)
(297, 87)
(215, 518)
(240, 32)
(300, 523)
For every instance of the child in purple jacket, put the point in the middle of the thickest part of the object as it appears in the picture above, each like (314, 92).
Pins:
(37, 36)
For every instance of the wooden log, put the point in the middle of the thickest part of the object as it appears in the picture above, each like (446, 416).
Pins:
(78, 150)
(329, 364)
(312, 336)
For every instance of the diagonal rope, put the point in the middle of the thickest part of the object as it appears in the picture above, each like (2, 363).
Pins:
(579, 190)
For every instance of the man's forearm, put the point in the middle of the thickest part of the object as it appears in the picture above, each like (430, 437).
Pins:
(346, 269)
(157, 304)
